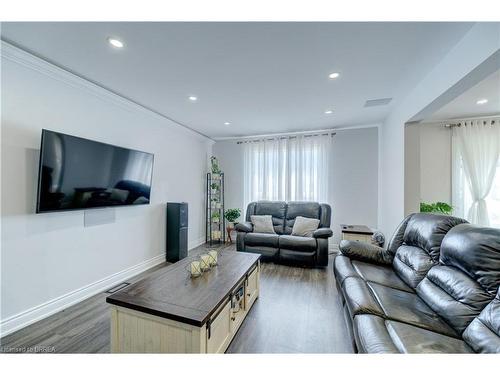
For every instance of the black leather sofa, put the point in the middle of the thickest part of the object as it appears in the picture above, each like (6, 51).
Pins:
(435, 289)
(282, 246)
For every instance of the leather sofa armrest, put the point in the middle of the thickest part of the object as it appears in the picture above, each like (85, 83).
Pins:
(365, 252)
(244, 227)
(322, 233)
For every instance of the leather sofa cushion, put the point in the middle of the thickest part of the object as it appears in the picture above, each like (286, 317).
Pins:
(277, 209)
(380, 274)
(261, 239)
(306, 244)
(371, 335)
(377, 335)
(483, 334)
(304, 209)
(412, 264)
(359, 299)
(453, 295)
(343, 269)
(427, 232)
(468, 276)
(409, 308)
(476, 252)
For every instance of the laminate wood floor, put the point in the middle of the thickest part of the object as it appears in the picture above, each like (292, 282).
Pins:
(298, 311)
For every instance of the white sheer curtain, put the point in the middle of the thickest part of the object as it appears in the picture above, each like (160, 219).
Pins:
(476, 150)
(288, 168)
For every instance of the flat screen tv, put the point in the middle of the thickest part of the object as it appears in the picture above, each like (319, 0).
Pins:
(77, 173)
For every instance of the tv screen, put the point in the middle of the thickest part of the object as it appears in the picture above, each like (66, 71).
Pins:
(77, 173)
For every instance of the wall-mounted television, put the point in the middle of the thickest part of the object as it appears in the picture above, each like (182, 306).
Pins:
(77, 173)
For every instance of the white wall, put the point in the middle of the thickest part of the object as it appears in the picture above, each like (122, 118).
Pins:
(412, 168)
(355, 176)
(50, 260)
(481, 42)
(435, 163)
(427, 165)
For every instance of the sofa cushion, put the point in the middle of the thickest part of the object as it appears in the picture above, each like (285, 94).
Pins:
(277, 209)
(412, 263)
(343, 268)
(359, 299)
(427, 232)
(371, 335)
(302, 257)
(457, 298)
(380, 274)
(261, 239)
(297, 243)
(377, 335)
(483, 334)
(476, 252)
(409, 308)
(265, 251)
(421, 242)
(304, 226)
(304, 209)
(468, 276)
(262, 224)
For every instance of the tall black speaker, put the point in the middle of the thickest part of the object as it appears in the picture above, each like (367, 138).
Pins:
(177, 231)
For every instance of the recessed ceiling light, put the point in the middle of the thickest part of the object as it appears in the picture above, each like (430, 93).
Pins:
(328, 112)
(115, 42)
(333, 75)
(227, 123)
(193, 98)
(482, 101)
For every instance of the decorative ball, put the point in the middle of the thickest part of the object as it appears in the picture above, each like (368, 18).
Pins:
(378, 238)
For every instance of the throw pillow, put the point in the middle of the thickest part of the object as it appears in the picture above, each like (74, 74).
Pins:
(304, 226)
(262, 223)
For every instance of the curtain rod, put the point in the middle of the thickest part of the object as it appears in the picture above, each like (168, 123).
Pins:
(458, 124)
(285, 137)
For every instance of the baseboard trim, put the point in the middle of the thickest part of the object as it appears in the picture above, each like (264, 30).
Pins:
(44, 310)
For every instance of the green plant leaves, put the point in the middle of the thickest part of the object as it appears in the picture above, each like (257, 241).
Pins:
(437, 207)
(232, 214)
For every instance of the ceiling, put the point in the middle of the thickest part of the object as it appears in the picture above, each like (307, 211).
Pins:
(261, 77)
(465, 105)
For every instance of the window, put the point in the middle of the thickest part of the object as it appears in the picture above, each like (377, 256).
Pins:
(295, 168)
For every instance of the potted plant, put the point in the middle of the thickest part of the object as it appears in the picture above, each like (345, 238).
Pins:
(232, 214)
(437, 208)
(214, 187)
(216, 217)
(215, 165)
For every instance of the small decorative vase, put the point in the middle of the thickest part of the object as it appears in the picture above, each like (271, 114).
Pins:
(195, 269)
(205, 262)
(213, 257)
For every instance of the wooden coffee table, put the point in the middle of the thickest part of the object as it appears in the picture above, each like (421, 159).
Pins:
(170, 312)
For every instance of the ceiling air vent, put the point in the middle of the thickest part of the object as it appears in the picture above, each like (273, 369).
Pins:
(377, 102)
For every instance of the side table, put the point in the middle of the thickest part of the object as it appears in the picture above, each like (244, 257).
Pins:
(356, 233)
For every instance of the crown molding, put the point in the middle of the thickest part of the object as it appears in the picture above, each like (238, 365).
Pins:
(36, 63)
